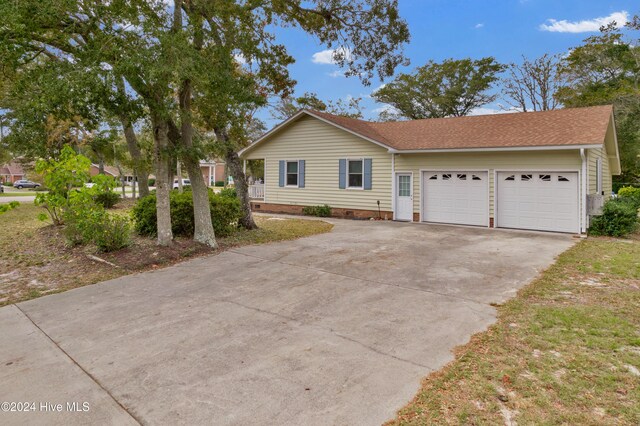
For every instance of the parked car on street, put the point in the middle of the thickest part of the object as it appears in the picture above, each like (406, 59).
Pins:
(185, 182)
(23, 183)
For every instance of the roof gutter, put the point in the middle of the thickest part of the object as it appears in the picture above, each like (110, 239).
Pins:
(495, 149)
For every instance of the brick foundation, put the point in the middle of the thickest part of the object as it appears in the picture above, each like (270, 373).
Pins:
(257, 206)
(491, 223)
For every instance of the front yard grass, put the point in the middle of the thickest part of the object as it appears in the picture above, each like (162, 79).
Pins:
(35, 261)
(566, 350)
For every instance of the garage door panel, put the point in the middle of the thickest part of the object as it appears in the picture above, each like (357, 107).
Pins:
(538, 200)
(455, 197)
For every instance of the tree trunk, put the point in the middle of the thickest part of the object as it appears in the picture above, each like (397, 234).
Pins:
(203, 230)
(139, 167)
(163, 212)
(179, 173)
(100, 165)
(235, 169)
(134, 183)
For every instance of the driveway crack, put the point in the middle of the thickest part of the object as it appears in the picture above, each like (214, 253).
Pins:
(94, 379)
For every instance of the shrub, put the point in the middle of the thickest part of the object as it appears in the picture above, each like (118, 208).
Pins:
(219, 183)
(151, 182)
(320, 211)
(225, 213)
(9, 206)
(228, 192)
(619, 218)
(631, 193)
(107, 199)
(112, 233)
(82, 218)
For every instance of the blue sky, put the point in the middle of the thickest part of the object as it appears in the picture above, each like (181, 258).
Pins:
(440, 29)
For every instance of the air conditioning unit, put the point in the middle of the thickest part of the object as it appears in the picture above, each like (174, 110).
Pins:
(594, 204)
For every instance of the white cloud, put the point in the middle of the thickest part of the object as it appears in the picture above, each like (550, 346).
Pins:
(590, 25)
(385, 108)
(326, 56)
(479, 25)
(239, 58)
(490, 111)
(336, 74)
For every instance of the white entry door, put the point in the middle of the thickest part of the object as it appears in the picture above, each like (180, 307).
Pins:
(404, 197)
(456, 197)
(542, 201)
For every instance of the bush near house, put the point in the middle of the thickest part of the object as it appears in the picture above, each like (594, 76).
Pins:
(320, 211)
(219, 183)
(225, 213)
(631, 193)
(619, 218)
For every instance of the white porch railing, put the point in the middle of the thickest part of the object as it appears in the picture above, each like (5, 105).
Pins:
(256, 190)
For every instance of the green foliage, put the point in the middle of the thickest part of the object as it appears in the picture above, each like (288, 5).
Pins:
(619, 218)
(219, 183)
(9, 206)
(320, 211)
(102, 191)
(151, 182)
(290, 105)
(107, 199)
(604, 70)
(228, 192)
(112, 233)
(60, 175)
(81, 218)
(449, 89)
(225, 213)
(630, 193)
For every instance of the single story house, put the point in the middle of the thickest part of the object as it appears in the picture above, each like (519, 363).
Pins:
(11, 172)
(212, 171)
(534, 170)
(113, 172)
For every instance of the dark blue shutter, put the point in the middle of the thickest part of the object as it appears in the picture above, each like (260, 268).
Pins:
(367, 173)
(281, 174)
(300, 173)
(342, 173)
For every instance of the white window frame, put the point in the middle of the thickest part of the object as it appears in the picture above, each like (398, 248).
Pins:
(347, 186)
(599, 176)
(286, 173)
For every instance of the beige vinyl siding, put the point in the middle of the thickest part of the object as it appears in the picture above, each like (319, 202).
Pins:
(321, 145)
(562, 160)
(592, 159)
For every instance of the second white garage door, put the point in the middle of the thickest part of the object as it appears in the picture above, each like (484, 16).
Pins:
(455, 197)
(538, 200)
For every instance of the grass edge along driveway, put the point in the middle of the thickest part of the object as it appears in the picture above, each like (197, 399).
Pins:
(565, 350)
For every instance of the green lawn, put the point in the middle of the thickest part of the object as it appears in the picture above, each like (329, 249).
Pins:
(35, 261)
(18, 194)
(566, 350)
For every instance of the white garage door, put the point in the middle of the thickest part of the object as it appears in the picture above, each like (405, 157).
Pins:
(456, 197)
(538, 200)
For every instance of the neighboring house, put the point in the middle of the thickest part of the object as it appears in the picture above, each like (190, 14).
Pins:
(114, 172)
(212, 171)
(11, 172)
(525, 170)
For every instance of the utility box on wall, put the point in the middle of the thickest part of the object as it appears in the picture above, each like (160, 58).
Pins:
(594, 204)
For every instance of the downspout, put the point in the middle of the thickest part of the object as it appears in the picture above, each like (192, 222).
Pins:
(393, 185)
(583, 191)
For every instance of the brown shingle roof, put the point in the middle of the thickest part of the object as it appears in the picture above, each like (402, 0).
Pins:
(14, 168)
(563, 127)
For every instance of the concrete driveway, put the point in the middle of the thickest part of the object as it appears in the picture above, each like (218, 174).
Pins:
(334, 329)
